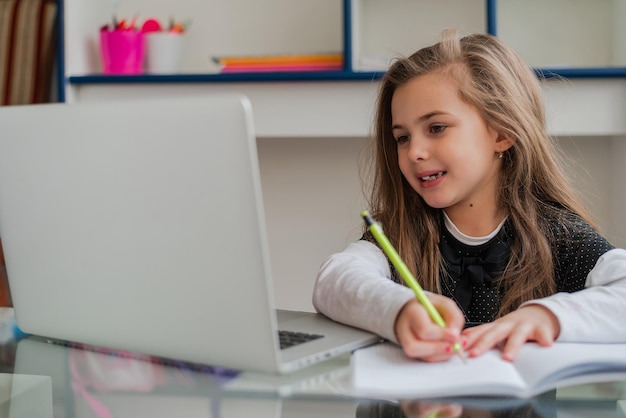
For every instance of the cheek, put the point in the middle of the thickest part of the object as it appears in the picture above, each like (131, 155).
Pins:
(409, 176)
(405, 165)
(476, 166)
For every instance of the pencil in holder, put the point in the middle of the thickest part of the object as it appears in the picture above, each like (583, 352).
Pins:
(122, 51)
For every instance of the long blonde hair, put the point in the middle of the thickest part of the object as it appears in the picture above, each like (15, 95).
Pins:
(532, 184)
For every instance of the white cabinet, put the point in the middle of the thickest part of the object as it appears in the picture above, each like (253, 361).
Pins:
(580, 38)
(575, 38)
(312, 126)
(381, 30)
(565, 34)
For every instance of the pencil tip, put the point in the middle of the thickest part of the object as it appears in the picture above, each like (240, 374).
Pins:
(458, 349)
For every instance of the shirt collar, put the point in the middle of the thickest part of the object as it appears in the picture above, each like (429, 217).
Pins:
(466, 239)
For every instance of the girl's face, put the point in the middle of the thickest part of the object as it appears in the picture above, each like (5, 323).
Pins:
(446, 151)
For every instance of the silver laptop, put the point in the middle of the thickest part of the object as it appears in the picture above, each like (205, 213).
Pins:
(139, 225)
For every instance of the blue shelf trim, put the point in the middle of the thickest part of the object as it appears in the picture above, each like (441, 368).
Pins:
(221, 78)
(599, 72)
(492, 18)
(60, 56)
(609, 72)
(347, 35)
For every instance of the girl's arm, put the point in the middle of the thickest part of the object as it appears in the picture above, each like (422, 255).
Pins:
(353, 287)
(597, 313)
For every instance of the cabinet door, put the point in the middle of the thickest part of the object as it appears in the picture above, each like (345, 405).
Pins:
(565, 33)
(381, 30)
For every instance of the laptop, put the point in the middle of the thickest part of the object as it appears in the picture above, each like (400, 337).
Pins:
(139, 225)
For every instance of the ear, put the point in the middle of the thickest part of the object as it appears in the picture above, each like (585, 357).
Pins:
(503, 143)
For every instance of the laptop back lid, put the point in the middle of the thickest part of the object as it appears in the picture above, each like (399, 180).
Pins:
(139, 225)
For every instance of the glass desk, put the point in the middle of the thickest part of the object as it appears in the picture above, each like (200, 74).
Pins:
(42, 379)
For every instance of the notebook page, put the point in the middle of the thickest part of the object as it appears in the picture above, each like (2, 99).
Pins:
(561, 364)
(383, 371)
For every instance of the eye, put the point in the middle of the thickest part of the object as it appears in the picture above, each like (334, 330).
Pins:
(401, 139)
(437, 129)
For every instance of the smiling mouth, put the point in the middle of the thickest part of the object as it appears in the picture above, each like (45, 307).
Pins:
(433, 176)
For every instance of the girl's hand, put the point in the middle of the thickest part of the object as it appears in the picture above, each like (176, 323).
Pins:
(418, 409)
(420, 337)
(530, 323)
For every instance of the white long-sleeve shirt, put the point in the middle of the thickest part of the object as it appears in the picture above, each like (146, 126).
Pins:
(353, 287)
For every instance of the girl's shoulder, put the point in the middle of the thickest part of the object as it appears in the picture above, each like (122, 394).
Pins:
(569, 233)
(577, 246)
(565, 224)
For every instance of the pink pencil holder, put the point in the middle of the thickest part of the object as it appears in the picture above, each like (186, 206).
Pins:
(122, 51)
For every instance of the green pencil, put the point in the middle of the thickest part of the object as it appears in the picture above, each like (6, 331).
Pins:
(377, 231)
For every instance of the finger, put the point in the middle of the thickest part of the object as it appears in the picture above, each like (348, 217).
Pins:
(489, 339)
(439, 358)
(432, 351)
(471, 335)
(428, 351)
(544, 336)
(423, 326)
(427, 409)
(451, 314)
(514, 342)
(450, 411)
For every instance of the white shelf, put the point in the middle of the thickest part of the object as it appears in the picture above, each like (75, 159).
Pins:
(345, 109)
(281, 110)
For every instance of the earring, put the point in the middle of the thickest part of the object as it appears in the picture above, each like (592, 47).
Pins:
(501, 155)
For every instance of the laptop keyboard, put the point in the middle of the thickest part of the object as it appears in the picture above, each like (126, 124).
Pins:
(290, 338)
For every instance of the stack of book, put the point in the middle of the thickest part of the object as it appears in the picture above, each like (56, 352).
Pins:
(279, 63)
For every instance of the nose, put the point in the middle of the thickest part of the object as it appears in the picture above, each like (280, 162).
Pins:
(418, 149)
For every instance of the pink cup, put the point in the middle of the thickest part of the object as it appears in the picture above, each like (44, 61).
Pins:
(122, 51)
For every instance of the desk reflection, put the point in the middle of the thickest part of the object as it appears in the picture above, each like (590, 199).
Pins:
(105, 383)
(462, 409)
(96, 383)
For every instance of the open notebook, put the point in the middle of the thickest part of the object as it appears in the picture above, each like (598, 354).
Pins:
(139, 225)
(384, 371)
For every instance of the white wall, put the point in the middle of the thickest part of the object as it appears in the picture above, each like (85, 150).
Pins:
(588, 171)
(312, 203)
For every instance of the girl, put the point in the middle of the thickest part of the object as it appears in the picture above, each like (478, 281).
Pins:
(468, 189)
